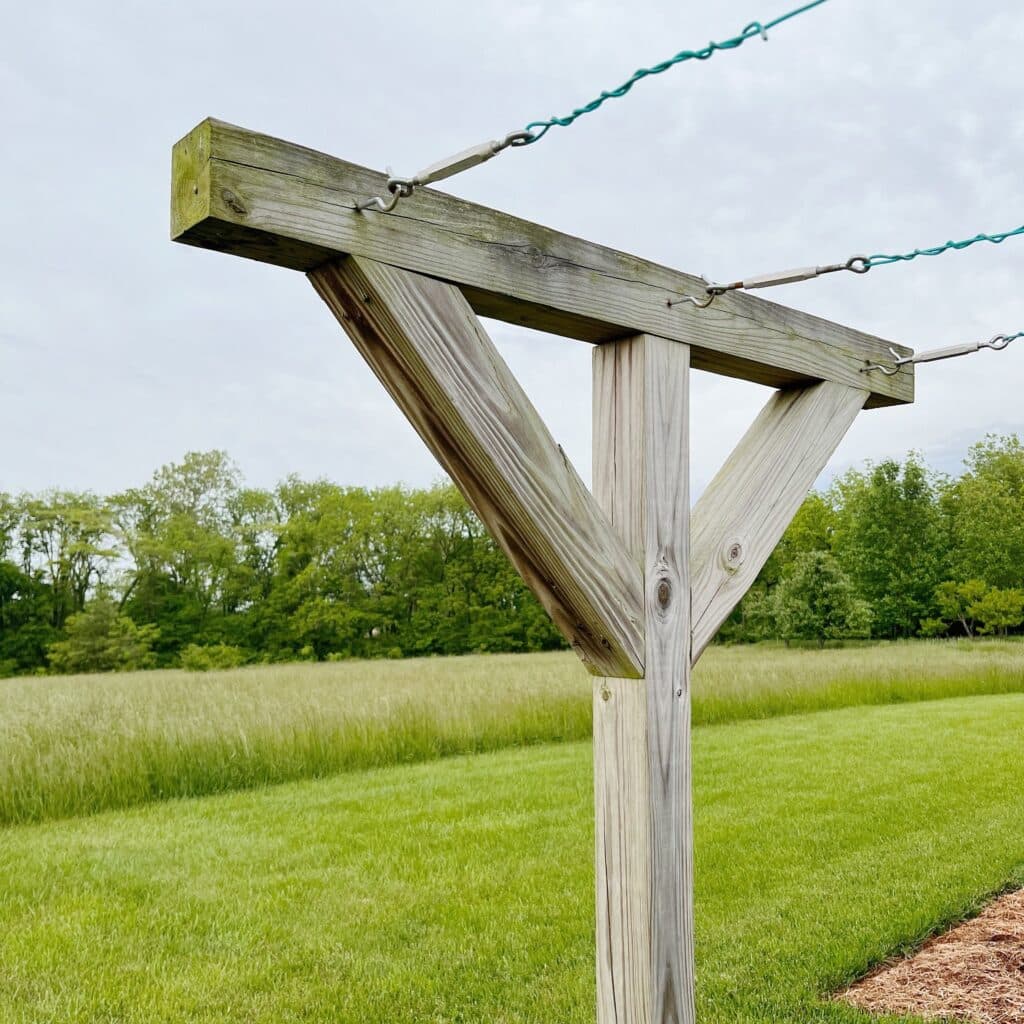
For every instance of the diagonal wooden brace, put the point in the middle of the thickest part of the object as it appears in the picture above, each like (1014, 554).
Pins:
(426, 345)
(754, 496)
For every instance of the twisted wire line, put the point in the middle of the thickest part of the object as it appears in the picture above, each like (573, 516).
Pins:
(884, 259)
(755, 28)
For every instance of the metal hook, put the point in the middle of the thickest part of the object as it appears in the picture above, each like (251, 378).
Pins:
(888, 371)
(712, 291)
(999, 342)
(378, 203)
(699, 303)
(855, 264)
(400, 188)
(523, 137)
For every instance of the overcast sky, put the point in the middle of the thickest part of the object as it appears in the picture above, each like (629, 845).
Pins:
(865, 125)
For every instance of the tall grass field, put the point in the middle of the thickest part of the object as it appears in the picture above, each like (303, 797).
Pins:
(81, 744)
(461, 891)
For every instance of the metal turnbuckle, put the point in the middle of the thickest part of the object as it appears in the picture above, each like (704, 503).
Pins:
(402, 188)
(996, 343)
(855, 264)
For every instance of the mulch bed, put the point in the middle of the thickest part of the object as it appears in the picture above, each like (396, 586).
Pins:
(973, 973)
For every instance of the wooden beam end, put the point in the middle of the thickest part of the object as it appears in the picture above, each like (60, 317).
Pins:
(190, 179)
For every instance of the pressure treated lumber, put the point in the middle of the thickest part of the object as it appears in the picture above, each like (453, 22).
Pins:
(429, 350)
(622, 821)
(252, 195)
(752, 499)
(642, 727)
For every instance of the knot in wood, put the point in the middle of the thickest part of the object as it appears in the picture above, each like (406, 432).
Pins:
(733, 555)
(233, 202)
(664, 593)
(535, 257)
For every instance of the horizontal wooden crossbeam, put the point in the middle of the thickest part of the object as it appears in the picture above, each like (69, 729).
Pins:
(252, 195)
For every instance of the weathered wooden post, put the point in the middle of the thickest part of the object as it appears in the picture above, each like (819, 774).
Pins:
(637, 582)
(642, 726)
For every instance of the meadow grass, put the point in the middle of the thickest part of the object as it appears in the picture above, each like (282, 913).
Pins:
(462, 891)
(81, 744)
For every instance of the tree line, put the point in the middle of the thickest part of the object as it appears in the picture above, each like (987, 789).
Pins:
(896, 550)
(196, 569)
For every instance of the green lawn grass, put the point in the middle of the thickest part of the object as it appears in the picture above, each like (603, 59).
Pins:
(462, 891)
(80, 744)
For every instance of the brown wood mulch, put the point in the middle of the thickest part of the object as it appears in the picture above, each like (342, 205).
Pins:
(975, 972)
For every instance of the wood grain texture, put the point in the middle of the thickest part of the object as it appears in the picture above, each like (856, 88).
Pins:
(641, 478)
(753, 498)
(252, 195)
(622, 822)
(429, 350)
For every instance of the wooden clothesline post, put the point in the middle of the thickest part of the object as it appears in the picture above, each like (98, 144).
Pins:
(637, 582)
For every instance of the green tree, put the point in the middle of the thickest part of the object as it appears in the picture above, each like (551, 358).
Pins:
(196, 658)
(67, 544)
(892, 540)
(999, 611)
(334, 562)
(185, 574)
(810, 530)
(26, 617)
(817, 601)
(987, 509)
(100, 639)
(9, 516)
(956, 600)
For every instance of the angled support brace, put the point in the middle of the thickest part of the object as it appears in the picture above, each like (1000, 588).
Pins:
(426, 345)
(754, 496)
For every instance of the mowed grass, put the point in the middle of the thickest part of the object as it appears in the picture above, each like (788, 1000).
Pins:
(462, 891)
(82, 744)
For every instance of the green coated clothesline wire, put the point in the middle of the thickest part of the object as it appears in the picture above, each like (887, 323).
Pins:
(400, 187)
(883, 259)
(856, 264)
(536, 130)
(755, 28)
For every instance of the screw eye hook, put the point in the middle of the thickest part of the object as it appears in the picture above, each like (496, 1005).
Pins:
(889, 371)
(400, 188)
(711, 289)
(699, 303)
(377, 203)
